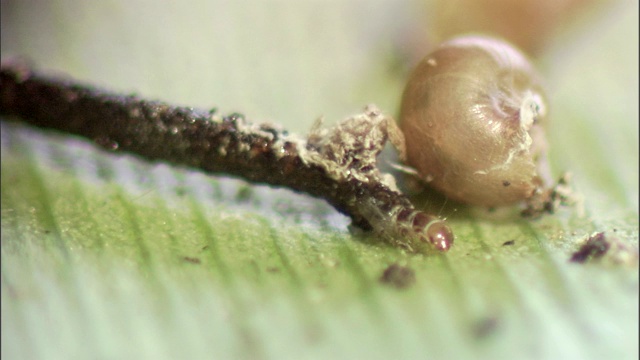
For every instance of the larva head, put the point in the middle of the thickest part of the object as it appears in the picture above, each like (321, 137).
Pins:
(440, 235)
(432, 231)
(471, 115)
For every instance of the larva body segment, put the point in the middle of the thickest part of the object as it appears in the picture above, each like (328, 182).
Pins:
(471, 113)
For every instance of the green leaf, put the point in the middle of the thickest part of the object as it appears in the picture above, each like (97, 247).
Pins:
(105, 256)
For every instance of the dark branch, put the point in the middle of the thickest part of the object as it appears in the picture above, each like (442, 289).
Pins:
(259, 153)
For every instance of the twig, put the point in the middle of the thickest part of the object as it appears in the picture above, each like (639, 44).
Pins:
(336, 164)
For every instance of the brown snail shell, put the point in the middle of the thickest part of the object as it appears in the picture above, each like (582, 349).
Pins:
(472, 115)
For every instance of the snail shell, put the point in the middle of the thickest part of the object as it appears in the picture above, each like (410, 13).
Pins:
(471, 114)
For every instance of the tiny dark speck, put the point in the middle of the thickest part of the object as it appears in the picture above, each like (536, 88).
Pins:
(508, 243)
(398, 276)
(506, 183)
(244, 194)
(192, 260)
(595, 247)
(485, 327)
(180, 190)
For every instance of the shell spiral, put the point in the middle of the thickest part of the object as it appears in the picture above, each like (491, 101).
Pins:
(472, 115)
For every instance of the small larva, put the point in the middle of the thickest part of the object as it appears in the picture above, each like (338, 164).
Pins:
(411, 229)
(472, 114)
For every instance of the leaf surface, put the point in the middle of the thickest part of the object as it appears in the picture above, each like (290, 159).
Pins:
(105, 256)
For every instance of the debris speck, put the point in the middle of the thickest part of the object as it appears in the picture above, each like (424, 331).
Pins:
(509, 243)
(398, 276)
(485, 327)
(192, 260)
(595, 247)
(550, 200)
(610, 248)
